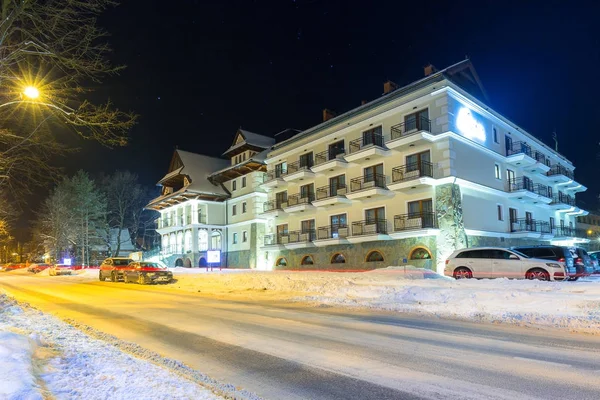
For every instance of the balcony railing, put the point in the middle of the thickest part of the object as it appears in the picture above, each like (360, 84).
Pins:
(540, 157)
(412, 171)
(326, 192)
(542, 190)
(369, 227)
(273, 239)
(530, 225)
(558, 169)
(373, 139)
(367, 182)
(272, 205)
(302, 236)
(421, 220)
(519, 148)
(565, 231)
(411, 126)
(298, 166)
(517, 184)
(562, 198)
(328, 155)
(274, 174)
(297, 199)
(332, 232)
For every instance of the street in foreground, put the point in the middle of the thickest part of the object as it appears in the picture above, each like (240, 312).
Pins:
(277, 349)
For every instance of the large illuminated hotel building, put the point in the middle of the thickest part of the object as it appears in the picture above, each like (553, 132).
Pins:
(404, 179)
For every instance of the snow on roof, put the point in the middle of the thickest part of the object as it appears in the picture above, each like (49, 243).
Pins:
(253, 139)
(199, 167)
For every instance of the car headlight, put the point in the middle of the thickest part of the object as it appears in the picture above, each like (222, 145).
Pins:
(150, 274)
(553, 265)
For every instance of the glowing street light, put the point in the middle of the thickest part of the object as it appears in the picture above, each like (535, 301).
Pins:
(31, 92)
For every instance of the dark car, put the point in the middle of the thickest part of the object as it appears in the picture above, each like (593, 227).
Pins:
(595, 256)
(113, 268)
(143, 272)
(576, 260)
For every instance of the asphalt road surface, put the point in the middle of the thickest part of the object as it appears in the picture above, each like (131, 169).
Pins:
(282, 350)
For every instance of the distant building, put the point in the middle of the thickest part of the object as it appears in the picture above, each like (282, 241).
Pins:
(406, 178)
(590, 225)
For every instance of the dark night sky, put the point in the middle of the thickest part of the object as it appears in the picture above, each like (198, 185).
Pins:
(197, 70)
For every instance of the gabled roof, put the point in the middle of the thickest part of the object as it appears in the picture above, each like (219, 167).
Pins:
(248, 139)
(199, 167)
(254, 163)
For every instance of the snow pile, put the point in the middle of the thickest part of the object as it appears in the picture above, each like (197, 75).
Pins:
(42, 357)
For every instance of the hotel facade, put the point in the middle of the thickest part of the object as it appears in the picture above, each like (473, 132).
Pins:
(404, 179)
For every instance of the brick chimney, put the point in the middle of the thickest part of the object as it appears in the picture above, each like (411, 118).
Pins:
(328, 114)
(429, 69)
(389, 87)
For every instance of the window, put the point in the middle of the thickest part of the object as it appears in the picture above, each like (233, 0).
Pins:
(216, 240)
(233, 185)
(307, 192)
(338, 222)
(562, 223)
(202, 240)
(307, 260)
(508, 144)
(235, 235)
(281, 262)
(497, 171)
(244, 208)
(552, 223)
(418, 162)
(280, 169)
(374, 256)
(243, 156)
(374, 214)
(308, 228)
(187, 241)
(500, 213)
(550, 191)
(495, 135)
(510, 176)
(512, 212)
(234, 210)
(421, 253)
(417, 121)
(336, 183)
(374, 173)
(372, 136)
(244, 236)
(306, 160)
(528, 217)
(280, 197)
(421, 208)
(338, 258)
(335, 149)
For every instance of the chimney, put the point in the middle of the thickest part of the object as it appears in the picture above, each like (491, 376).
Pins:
(389, 87)
(363, 102)
(429, 69)
(328, 114)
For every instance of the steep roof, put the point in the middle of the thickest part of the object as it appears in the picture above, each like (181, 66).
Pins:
(249, 139)
(199, 167)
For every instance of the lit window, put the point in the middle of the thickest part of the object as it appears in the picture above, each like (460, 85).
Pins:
(281, 262)
(338, 258)
(420, 254)
(234, 210)
(244, 236)
(202, 240)
(235, 237)
(307, 260)
(244, 208)
(374, 256)
(244, 182)
(497, 171)
(234, 185)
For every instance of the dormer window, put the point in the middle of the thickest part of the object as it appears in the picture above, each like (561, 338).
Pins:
(186, 181)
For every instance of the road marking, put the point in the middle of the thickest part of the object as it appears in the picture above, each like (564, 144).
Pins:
(543, 362)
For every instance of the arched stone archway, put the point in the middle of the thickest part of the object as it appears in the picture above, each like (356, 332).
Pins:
(187, 263)
(179, 262)
(202, 262)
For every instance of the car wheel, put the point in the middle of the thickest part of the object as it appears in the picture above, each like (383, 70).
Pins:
(538, 274)
(100, 276)
(141, 280)
(113, 277)
(125, 278)
(462, 273)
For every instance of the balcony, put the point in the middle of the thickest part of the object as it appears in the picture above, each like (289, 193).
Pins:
(563, 202)
(568, 233)
(330, 160)
(331, 196)
(520, 154)
(298, 171)
(565, 178)
(274, 179)
(369, 230)
(298, 203)
(412, 177)
(367, 148)
(273, 208)
(332, 234)
(301, 239)
(412, 132)
(526, 191)
(415, 224)
(275, 241)
(524, 227)
(368, 187)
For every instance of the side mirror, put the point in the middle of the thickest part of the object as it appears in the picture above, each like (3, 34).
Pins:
(513, 257)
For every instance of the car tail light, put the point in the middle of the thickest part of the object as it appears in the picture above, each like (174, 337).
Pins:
(562, 259)
(447, 261)
(579, 260)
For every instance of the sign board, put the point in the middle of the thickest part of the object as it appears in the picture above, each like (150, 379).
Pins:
(213, 256)
(66, 261)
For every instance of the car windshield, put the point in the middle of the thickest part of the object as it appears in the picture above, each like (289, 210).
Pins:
(520, 254)
(121, 262)
(149, 265)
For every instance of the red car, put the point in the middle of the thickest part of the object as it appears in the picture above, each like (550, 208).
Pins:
(113, 268)
(144, 272)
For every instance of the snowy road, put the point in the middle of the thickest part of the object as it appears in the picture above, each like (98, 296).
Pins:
(291, 351)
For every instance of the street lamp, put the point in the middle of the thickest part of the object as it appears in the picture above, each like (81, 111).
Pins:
(31, 92)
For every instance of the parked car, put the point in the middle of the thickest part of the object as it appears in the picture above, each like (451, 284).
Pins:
(113, 268)
(12, 267)
(144, 272)
(497, 262)
(595, 256)
(578, 263)
(60, 269)
(35, 268)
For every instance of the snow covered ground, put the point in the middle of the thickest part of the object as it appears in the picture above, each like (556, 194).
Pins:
(44, 358)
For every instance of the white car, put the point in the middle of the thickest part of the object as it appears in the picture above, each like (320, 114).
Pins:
(60, 269)
(497, 262)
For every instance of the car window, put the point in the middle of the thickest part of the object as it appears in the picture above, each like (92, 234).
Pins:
(464, 254)
(527, 251)
(544, 252)
(108, 261)
(121, 262)
(500, 254)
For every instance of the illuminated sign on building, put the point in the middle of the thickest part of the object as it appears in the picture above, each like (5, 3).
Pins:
(469, 126)
(213, 256)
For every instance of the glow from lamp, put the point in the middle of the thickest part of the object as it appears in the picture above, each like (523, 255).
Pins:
(469, 126)
(31, 92)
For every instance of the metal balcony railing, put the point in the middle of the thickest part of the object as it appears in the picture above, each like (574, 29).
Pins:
(367, 182)
(274, 174)
(274, 238)
(514, 185)
(372, 139)
(412, 171)
(530, 225)
(302, 236)
(421, 220)
(329, 155)
(542, 190)
(326, 192)
(540, 157)
(558, 169)
(411, 126)
(562, 198)
(369, 227)
(519, 148)
(297, 199)
(272, 205)
(299, 166)
(565, 231)
(332, 232)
